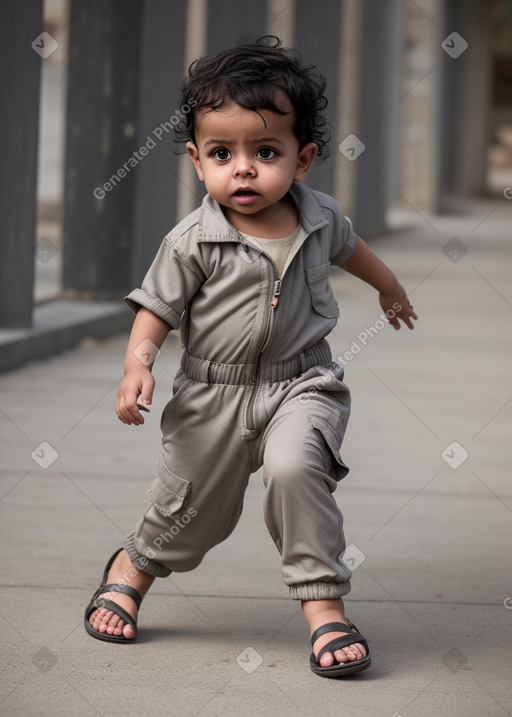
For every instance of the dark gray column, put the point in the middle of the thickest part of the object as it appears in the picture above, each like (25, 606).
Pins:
(465, 99)
(21, 22)
(379, 66)
(156, 180)
(102, 153)
(317, 38)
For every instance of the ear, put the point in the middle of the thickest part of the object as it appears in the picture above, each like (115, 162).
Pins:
(193, 153)
(307, 156)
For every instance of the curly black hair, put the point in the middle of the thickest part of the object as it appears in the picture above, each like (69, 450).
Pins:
(249, 75)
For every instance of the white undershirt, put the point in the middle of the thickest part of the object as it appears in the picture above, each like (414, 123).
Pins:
(277, 249)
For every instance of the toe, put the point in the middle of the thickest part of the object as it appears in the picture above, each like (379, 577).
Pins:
(128, 632)
(105, 619)
(99, 616)
(359, 650)
(327, 660)
(342, 656)
(115, 625)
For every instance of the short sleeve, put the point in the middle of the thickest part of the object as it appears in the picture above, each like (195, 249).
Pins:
(171, 281)
(344, 238)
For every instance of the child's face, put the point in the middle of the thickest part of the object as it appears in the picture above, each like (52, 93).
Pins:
(248, 164)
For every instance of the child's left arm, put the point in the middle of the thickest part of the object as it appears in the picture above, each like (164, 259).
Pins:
(367, 266)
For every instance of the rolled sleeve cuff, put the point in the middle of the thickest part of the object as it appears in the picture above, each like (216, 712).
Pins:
(347, 251)
(138, 298)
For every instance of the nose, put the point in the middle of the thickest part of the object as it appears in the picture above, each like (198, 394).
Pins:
(243, 167)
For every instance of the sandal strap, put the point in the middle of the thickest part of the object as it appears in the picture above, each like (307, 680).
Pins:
(339, 642)
(116, 609)
(117, 588)
(330, 627)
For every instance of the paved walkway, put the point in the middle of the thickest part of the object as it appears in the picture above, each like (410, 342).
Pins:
(427, 510)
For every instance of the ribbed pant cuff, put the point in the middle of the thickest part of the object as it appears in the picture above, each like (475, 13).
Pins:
(146, 565)
(319, 591)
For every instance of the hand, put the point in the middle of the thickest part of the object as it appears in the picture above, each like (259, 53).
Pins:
(138, 382)
(397, 306)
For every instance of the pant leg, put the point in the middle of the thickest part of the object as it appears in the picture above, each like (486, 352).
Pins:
(302, 466)
(197, 495)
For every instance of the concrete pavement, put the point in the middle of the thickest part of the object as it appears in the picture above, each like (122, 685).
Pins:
(427, 506)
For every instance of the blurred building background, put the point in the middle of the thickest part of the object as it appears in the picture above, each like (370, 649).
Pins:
(420, 104)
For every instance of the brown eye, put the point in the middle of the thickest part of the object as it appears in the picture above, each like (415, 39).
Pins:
(266, 153)
(221, 154)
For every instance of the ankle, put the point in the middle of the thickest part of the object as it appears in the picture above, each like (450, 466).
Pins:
(126, 573)
(320, 612)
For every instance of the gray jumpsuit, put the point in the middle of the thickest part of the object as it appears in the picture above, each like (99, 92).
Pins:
(257, 387)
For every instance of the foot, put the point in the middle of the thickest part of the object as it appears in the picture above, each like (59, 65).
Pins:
(320, 612)
(122, 571)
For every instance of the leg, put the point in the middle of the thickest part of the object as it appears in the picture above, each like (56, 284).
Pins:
(197, 495)
(301, 468)
(195, 499)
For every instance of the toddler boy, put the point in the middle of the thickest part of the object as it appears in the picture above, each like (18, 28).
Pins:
(246, 280)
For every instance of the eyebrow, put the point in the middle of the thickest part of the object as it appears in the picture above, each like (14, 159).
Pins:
(260, 140)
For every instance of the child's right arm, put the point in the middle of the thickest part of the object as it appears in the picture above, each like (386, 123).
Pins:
(138, 380)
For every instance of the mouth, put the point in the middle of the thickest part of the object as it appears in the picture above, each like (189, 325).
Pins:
(244, 192)
(245, 196)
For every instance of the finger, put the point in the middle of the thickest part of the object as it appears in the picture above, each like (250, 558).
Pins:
(130, 410)
(146, 394)
(128, 415)
(407, 320)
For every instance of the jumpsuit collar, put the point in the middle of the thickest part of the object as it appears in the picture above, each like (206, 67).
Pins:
(214, 227)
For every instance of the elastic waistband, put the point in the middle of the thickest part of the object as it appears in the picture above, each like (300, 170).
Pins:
(206, 371)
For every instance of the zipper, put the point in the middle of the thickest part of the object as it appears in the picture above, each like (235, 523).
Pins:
(276, 291)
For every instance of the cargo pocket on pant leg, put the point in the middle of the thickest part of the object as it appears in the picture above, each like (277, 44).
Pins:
(338, 468)
(168, 491)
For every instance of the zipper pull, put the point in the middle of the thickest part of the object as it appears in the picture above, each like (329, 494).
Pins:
(277, 291)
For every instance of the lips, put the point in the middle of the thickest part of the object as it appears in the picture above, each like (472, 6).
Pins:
(245, 196)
